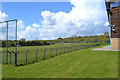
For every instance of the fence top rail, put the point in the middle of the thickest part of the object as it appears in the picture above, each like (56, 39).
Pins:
(8, 21)
(39, 49)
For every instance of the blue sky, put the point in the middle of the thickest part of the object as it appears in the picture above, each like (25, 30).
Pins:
(29, 12)
(50, 20)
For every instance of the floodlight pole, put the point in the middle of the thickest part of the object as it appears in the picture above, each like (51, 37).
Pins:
(15, 40)
(110, 27)
(77, 37)
(108, 6)
(16, 45)
(7, 46)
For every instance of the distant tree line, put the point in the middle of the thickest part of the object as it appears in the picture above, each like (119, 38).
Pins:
(86, 39)
(73, 39)
(26, 43)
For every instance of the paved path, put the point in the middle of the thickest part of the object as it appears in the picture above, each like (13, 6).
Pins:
(106, 48)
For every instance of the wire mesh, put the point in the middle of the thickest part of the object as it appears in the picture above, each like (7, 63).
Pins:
(32, 55)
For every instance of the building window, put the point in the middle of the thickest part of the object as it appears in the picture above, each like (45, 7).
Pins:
(116, 4)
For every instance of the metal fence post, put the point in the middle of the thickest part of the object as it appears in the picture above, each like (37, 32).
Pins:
(51, 53)
(26, 55)
(36, 54)
(71, 48)
(61, 50)
(10, 56)
(68, 50)
(64, 50)
(7, 46)
(56, 51)
(15, 57)
(44, 54)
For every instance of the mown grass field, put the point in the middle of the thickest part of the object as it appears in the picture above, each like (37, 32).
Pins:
(78, 64)
(50, 51)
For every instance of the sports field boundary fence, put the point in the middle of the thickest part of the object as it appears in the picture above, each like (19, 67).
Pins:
(30, 56)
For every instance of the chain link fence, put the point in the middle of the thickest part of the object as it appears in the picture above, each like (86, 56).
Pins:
(29, 56)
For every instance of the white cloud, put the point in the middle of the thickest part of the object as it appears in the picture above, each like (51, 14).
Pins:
(21, 25)
(48, 17)
(11, 27)
(86, 18)
(106, 24)
(3, 17)
(36, 25)
(30, 33)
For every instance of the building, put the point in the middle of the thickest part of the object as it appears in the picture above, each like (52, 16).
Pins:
(23, 39)
(113, 12)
